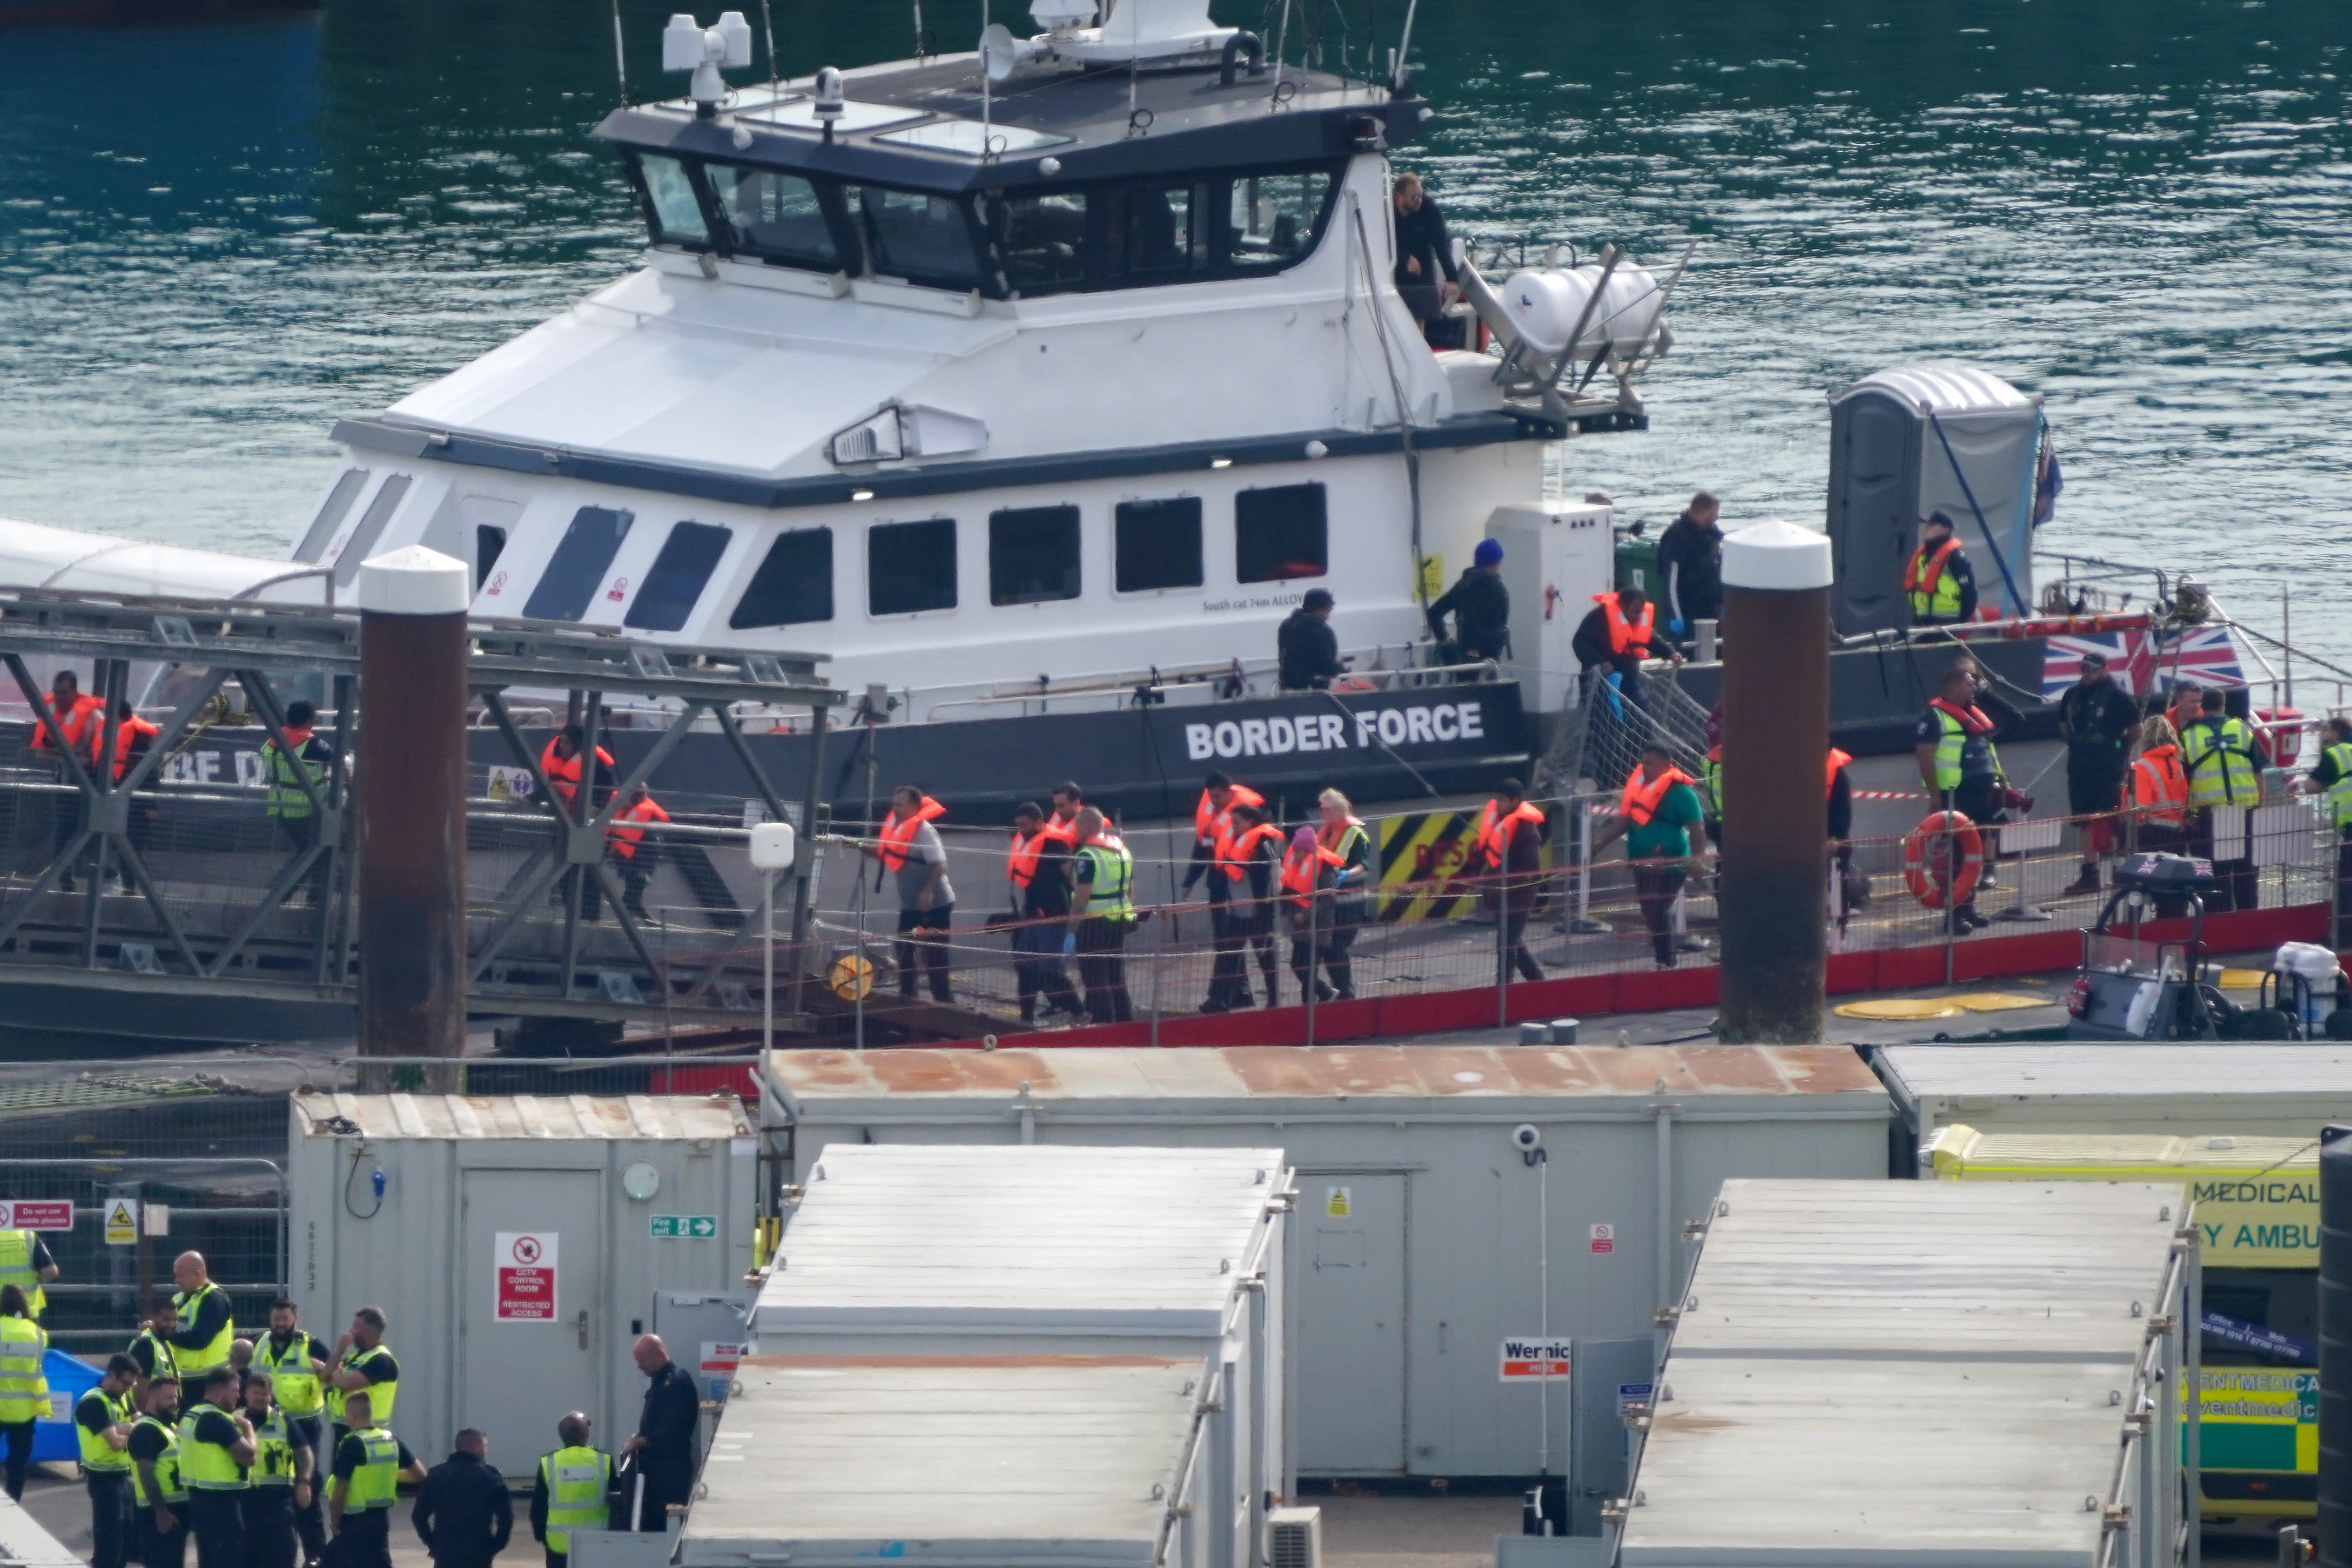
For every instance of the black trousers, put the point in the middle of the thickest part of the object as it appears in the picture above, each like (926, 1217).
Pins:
(1102, 970)
(1038, 970)
(18, 1438)
(2344, 888)
(300, 833)
(922, 948)
(311, 1524)
(217, 1519)
(110, 1517)
(2237, 885)
(158, 1548)
(1339, 948)
(365, 1543)
(270, 1526)
(1515, 950)
(1655, 889)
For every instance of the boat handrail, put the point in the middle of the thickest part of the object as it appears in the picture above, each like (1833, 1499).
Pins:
(1348, 685)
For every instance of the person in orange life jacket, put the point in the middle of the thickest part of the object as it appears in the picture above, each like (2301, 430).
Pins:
(1655, 816)
(1249, 861)
(1619, 632)
(1510, 842)
(1953, 745)
(1937, 581)
(1349, 844)
(1100, 924)
(635, 852)
(133, 739)
(77, 714)
(1213, 828)
(1067, 801)
(1038, 866)
(1306, 868)
(2158, 814)
(908, 850)
(561, 760)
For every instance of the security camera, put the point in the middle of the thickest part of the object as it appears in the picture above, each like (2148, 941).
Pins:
(1527, 1137)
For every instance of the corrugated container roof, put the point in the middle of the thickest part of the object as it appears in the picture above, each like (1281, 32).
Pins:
(1016, 1239)
(987, 1461)
(1955, 1345)
(524, 1116)
(2239, 1074)
(1270, 1079)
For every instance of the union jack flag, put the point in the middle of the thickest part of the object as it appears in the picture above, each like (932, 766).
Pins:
(2145, 661)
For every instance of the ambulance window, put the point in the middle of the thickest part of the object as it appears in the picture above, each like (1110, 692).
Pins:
(679, 572)
(911, 567)
(794, 584)
(348, 485)
(577, 567)
(1033, 555)
(1279, 534)
(1158, 543)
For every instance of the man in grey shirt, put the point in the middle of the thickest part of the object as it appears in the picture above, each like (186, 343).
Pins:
(909, 850)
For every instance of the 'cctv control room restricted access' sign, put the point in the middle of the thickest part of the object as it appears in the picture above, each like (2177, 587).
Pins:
(524, 1262)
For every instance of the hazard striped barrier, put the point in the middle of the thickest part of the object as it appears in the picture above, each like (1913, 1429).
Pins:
(1429, 861)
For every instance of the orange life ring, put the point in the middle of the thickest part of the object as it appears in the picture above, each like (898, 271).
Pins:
(1925, 868)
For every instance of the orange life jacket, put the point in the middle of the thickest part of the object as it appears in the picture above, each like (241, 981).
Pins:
(1626, 635)
(123, 732)
(76, 721)
(1972, 717)
(1211, 825)
(896, 835)
(1923, 571)
(1639, 801)
(1837, 760)
(562, 772)
(1236, 853)
(625, 839)
(1302, 869)
(2160, 784)
(1495, 828)
(1021, 863)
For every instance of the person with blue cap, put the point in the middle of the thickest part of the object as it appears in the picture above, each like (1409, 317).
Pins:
(1481, 608)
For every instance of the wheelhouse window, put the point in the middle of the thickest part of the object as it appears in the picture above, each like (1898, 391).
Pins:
(922, 238)
(1160, 236)
(1274, 220)
(1033, 555)
(1279, 533)
(680, 573)
(773, 216)
(362, 542)
(794, 585)
(577, 569)
(1157, 544)
(671, 205)
(1041, 240)
(338, 506)
(911, 567)
(489, 543)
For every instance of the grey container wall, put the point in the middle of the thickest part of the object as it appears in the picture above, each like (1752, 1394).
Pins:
(971, 1251)
(1889, 468)
(460, 1171)
(1398, 1301)
(2336, 1348)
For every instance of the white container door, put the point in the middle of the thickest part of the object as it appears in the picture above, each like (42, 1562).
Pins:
(532, 1322)
(1348, 1271)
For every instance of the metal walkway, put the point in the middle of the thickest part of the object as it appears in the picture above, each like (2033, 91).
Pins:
(170, 900)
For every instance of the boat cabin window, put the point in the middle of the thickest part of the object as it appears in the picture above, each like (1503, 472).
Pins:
(922, 238)
(679, 572)
(774, 216)
(1157, 544)
(1162, 234)
(1279, 533)
(911, 567)
(794, 585)
(337, 507)
(1274, 219)
(576, 569)
(1033, 555)
(671, 205)
(361, 542)
(489, 543)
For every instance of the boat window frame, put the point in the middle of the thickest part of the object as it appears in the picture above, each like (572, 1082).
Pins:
(955, 566)
(1118, 519)
(556, 555)
(686, 538)
(798, 539)
(633, 163)
(1240, 545)
(1064, 518)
